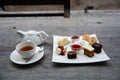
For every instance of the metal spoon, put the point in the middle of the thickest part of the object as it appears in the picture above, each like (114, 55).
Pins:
(39, 51)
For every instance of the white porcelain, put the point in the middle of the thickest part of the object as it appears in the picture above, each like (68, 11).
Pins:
(81, 58)
(16, 58)
(28, 53)
(37, 36)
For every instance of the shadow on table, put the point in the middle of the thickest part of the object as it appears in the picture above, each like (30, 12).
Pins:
(29, 65)
(32, 15)
(84, 64)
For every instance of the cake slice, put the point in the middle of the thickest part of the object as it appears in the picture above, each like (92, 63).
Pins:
(89, 51)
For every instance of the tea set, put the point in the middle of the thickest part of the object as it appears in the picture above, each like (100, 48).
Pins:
(27, 51)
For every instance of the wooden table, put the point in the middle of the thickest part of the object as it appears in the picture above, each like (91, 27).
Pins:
(66, 4)
(104, 25)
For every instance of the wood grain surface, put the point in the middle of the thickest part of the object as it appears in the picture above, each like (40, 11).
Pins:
(105, 24)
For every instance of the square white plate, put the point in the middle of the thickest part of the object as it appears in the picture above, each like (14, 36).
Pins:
(81, 58)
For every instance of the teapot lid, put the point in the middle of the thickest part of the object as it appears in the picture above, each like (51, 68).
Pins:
(32, 32)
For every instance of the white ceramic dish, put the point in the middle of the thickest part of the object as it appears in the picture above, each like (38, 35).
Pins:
(81, 58)
(16, 58)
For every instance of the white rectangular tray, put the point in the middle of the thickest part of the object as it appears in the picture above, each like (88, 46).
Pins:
(81, 58)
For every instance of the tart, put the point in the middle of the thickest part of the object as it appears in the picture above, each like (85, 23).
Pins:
(75, 47)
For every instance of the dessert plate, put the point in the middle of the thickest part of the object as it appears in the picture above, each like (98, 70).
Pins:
(16, 58)
(81, 58)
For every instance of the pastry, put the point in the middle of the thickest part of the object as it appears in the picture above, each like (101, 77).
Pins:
(86, 37)
(92, 40)
(89, 51)
(71, 55)
(63, 41)
(97, 47)
(60, 50)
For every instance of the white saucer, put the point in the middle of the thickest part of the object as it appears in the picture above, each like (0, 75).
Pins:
(16, 58)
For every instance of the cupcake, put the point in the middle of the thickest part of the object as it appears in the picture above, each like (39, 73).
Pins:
(97, 47)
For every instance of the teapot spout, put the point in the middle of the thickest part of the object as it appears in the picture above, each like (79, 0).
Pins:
(21, 33)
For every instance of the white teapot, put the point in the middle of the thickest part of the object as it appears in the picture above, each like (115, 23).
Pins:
(36, 36)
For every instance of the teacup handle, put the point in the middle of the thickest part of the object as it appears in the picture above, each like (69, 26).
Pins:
(43, 35)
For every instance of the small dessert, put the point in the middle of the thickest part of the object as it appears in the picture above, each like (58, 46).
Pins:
(89, 51)
(71, 55)
(63, 41)
(86, 37)
(97, 47)
(92, 40)
(75, 47)
(83, 43)
(74, 38)
(60, 50)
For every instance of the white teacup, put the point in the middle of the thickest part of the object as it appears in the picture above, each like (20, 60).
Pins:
(26, 49)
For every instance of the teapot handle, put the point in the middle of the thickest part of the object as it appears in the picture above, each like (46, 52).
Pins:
(43, 35)
(21, 33)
